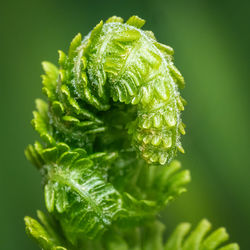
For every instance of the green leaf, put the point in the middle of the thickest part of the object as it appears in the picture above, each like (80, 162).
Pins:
(44, 234)
(74, 44)
(50, 79)
(198, 239)
(86, 204)
(115, 19)
(136, 21)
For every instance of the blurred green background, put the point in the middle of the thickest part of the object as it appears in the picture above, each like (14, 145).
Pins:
(211, 41)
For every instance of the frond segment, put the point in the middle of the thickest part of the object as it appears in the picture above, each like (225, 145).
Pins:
(44, 234)
(199, 238)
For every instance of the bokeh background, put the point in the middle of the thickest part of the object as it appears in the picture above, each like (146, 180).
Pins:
(211, 41)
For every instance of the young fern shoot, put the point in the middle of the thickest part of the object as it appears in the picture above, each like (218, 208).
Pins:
(110, 131)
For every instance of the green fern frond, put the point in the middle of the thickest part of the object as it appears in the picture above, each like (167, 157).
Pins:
(78, 194)
(199, 238)
(147, 237)
(110, 131)
(46, 234)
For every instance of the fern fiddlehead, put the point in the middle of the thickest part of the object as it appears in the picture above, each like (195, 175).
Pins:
(111, 125)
